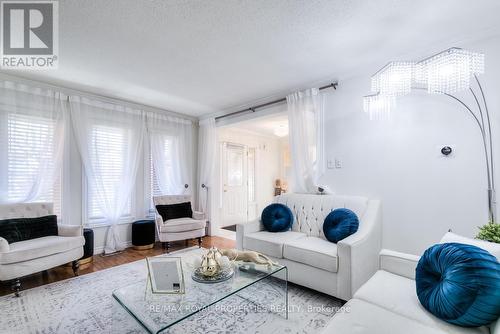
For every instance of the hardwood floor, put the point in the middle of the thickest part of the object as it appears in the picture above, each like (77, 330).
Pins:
(103, 262)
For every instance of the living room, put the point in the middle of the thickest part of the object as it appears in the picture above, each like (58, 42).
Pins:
(249, 166)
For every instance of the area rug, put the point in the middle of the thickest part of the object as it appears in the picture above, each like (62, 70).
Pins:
(84, 305)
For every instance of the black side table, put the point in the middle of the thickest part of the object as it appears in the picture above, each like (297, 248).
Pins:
(143, 234)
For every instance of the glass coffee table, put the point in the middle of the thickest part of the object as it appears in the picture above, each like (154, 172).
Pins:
(136, 309)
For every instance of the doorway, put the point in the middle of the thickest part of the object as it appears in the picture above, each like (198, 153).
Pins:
(253, 160)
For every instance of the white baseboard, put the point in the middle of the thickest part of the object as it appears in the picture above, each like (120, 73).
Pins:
(100, 249)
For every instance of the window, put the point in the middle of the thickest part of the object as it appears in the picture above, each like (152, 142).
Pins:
(108, 152)
(30, 149)
(251, 175)
(167, 154)
(155, 174)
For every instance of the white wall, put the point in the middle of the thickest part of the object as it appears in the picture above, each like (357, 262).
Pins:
(423, 193)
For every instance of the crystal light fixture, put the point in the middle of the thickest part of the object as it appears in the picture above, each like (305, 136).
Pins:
(379, 106)
(449, 71)
(394, 79)
(446, 73)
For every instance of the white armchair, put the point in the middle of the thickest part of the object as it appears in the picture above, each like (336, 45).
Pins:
(27, 257)
(181, 228)
(335, 269)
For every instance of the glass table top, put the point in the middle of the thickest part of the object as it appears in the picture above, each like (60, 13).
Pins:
(156, 312)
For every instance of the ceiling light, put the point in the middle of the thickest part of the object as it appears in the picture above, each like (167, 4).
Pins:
(281, 131)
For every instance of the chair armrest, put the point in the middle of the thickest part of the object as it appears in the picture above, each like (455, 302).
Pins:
(4, 245)
(358, 253)
(246, 228)
(198, 215)
(69, 230)
(401, 264)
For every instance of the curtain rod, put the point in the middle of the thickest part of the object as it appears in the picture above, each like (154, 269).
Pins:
(267, 104)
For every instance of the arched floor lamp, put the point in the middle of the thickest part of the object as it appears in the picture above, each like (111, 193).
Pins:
(445, 73)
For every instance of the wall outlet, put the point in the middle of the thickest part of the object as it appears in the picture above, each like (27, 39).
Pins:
(330, 164)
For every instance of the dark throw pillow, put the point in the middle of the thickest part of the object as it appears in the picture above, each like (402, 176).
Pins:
(460, 284)
(20, 229)
(339, 224)
(174, 211)
(277, 218)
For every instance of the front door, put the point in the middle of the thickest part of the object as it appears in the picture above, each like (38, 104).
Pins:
(234, 184)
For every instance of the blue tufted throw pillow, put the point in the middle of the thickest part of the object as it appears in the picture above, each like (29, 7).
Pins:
(460, 284)
(339, 224)
(277, 217)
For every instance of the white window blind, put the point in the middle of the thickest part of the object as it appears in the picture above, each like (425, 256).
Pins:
(154, 181)
(108, 155)
(30, 142)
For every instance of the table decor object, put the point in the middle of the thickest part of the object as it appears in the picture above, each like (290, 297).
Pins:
(213, 267)
(166, 275)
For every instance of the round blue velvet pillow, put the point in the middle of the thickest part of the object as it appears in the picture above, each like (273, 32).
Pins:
(277, 217)
(339, 224)
(459, 284)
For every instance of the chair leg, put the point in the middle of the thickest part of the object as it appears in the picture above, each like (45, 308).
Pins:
(75, 265)
(186, 243)
(199, 242)
(167, 244)
(16, 286)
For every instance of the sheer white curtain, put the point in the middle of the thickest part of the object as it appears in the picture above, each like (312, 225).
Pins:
(170, 140)
(92, 120)
(207, 153)
(306, 137)
(32, 127)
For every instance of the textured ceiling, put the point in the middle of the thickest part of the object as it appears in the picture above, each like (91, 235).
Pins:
(199, 57)
(263, 125)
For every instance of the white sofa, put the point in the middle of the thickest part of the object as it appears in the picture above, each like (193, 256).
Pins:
(27, 257)
(388, 303)
(312, 261)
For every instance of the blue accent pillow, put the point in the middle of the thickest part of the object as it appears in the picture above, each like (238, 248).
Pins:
(339, 224)
(277, 217)
(459, 284)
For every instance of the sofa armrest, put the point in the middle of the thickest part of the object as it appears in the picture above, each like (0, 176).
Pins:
(401, 264)
(198, 215)
(245, 228)
(495, 327)
(358, 253)
(4, 245)
(69, 230)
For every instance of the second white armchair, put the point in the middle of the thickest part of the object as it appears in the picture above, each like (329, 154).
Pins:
(177, 229)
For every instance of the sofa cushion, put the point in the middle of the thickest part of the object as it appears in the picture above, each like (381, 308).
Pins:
(339, 224)
(398, 294)
(182, 225)
(460, 284)
(360, 317)
(269, 243)
(312, 251)
(277, 217)
(174, 211)
(310, 210)
(40, 247)
(19, 229)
